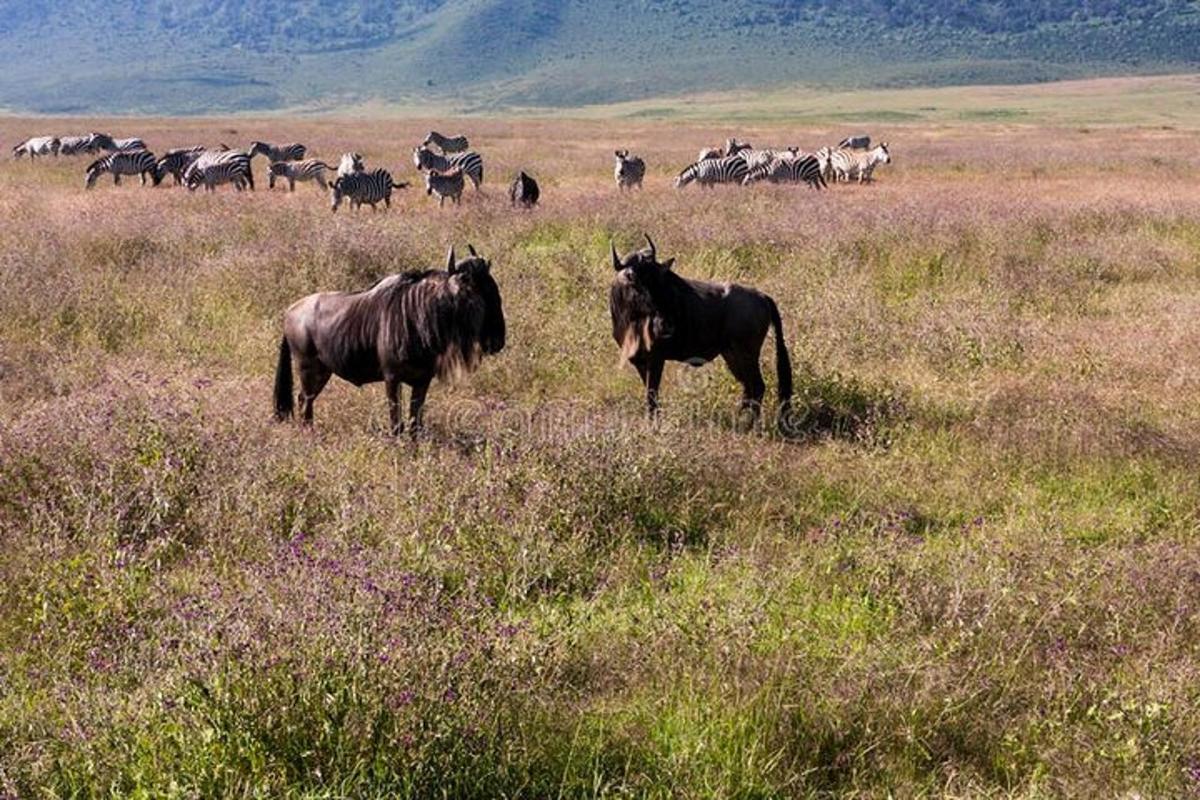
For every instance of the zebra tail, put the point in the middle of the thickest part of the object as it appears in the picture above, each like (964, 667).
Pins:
(284, 396)
(783, 364)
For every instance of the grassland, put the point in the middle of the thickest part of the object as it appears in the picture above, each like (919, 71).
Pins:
(976, 577)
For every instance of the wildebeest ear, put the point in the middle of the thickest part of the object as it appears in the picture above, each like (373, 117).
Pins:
(450, 259)
(670, 262)
(616, 258)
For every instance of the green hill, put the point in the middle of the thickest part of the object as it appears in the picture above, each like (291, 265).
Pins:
(191, 56)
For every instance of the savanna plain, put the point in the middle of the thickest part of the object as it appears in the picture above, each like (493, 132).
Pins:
(974, 572)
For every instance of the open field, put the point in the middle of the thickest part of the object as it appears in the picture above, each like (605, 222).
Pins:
(977, 576)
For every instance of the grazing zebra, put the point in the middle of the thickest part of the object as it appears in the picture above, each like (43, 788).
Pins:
(74, 145)
(284, 152)
(447, 144)
(629, 171)
(848, 165)
(449, 184)
(215, 167)
(470, 163)
(102, 141)
(351, 162)
(132, 162)
(175, 163)
(524, 190)
(711, 171)
(365, 187)
(860, 142)
(311, 169)
(788, 169)
(37, 146)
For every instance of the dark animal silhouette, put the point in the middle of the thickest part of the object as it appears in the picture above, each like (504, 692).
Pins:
(524, 191)
(659, 316)
(408, 328)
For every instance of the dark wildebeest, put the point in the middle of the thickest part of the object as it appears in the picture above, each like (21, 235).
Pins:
(408, 328)
(658, 316)
(524, 191)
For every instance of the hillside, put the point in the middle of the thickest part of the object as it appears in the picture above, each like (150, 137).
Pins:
(189, 56)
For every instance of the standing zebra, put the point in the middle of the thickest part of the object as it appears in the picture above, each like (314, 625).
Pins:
(311, 169)
(133, 162)
(848, 165)
(628, 171)
(365, 187)
(37, 146)
(711, 171)
(447, 144)
(470, 163)
(351, 162)
(175, 163)
(74, 145)
(788, 169)
(284, 152)
(448, 184)
(215, 167)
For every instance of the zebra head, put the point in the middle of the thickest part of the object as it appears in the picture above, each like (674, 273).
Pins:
(337, 190)
(257, 147)
(94, 171)
(882, 155)
(423, 158)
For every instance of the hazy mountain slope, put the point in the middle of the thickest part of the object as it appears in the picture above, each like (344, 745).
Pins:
(201, 55)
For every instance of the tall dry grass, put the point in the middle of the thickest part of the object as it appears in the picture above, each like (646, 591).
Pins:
(976, 576)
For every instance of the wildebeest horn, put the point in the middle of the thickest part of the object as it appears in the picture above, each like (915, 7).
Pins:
(471, 250)
(616, 258)
(653, 251)
(450, 259)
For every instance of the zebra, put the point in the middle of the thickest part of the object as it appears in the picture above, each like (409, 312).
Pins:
(445, 184)
(102, 141)
(37, 146)
(731, 148)
(470, 163)
(850, 164)
(175, 163)
(757, 158)
(711, 171)
(284, 152)
(74, 145)
(447, 144)
(214, 167)
(799, 168)
(628, 171)
(859, 142)
(524, 191)
(312, 169)
(365, 187)
(133, 162)
(351, 162)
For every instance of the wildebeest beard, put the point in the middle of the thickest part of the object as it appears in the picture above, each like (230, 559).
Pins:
(642, 317)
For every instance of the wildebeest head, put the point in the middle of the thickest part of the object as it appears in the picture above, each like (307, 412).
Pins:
(475, 274)
(640, 298)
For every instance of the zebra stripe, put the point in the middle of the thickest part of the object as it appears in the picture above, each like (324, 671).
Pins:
(312, 169)
(447, 144)
(284, 152)
(628, 171)
(215, 167)
(449, 184)
(850, 164)
(134, 162)
(175, 163)
(365, 187)
(470, 163)
(711, 171)
(799, 169)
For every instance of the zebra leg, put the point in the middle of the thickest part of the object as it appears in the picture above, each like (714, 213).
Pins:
(291, 184)
(393, 396)
(116, 179)
(416, 407)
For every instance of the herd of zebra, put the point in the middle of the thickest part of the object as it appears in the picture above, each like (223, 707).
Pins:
(741, 164)
(447, 164)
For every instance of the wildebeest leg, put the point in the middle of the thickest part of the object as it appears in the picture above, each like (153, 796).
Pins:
(653, 378)
(416, 407)
(393, 396)
(313, 377)
(746, 370)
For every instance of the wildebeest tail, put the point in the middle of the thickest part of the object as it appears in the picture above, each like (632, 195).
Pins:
(783, 364)
(284, 397)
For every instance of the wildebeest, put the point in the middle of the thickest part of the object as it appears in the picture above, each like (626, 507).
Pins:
(628, 171)
(524, 191)
(659, 316)
(408, 328)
